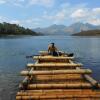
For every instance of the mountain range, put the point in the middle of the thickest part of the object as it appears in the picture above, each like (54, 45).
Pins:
(66, 30)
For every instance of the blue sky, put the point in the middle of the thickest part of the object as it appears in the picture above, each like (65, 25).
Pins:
(42, 13)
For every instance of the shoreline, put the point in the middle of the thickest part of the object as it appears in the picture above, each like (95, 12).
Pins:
(22, 36)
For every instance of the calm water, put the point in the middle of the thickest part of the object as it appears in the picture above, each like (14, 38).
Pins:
(13, 53)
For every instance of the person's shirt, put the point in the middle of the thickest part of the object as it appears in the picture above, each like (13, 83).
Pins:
(52, 49)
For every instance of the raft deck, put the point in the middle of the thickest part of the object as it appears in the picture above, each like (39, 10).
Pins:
(57, 78)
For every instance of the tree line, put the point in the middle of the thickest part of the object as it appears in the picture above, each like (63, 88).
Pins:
(14, 29)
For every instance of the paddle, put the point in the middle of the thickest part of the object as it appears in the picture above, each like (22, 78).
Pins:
(31, 56)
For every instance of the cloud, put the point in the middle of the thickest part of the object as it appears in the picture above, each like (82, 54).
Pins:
(86, 14)
(66, 13)
(95, 21)
(2, 1)
(3, 19)
(12, 21)
(28, 3)
(31, 22)
(96, 10)
(58, 16)
(45, 3)
(28, 22)
(12, 2)
(61, 15)
(80, 13)
(15, 22)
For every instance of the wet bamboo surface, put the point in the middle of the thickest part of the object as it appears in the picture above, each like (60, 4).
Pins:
(57, 78)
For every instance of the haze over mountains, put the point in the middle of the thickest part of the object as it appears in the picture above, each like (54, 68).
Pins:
(66, 30)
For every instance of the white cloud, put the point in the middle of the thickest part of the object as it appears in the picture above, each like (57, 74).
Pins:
(57, 16)
(95, 21)
(0, 18)
(86, 14)
(2, 1)
(20, 0)
(64, 13)
(12, 2)
(46, 3)
(61, 15)
(68, 13)
(31, 22)
(28, 3)
(3, 19)
(28, 22)
(97, 10)
(79, 13)
(15, 22)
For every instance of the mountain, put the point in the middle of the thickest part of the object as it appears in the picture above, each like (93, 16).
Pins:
(13, 29)
(78, 27)
(88, 33)
(51, 30)
(66, 30)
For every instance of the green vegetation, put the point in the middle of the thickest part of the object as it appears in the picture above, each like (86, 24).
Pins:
(88, 33)
(7, 29)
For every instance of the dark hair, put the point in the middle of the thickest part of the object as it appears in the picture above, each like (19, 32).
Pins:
(52, 43)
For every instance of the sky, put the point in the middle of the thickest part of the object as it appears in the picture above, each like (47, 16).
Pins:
(43, 13)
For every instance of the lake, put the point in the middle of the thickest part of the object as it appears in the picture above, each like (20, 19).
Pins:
(13, 52)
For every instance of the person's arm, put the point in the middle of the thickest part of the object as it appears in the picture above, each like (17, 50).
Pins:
(48, 49)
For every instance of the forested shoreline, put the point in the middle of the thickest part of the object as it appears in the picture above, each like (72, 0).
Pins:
(7, 29)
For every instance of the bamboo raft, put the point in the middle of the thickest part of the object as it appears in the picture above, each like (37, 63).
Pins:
(57, 78)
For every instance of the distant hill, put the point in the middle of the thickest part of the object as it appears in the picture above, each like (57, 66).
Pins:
(51, 30)
(66, 30)
(88, 33)
(13, 29)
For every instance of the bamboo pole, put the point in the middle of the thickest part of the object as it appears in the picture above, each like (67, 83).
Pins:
(58, 77)
(53, 72)
(55, 90)
(70, 61)
(91, 80)
(26, 81)
(61, 91)
(59, 86)
(51, 58)
(54, 65)
(97, 97)
(58, 92)
(46, 52)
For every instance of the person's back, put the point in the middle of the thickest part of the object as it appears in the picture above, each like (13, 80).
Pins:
(52, 50)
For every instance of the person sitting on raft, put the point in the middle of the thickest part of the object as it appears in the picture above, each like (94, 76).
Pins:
(52, 49)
